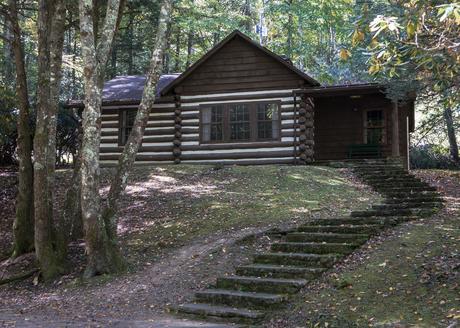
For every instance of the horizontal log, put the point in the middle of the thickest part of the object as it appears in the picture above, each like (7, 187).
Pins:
(243, 155)
(262, 161)
(139, 157)
(248, 145)
(141, 149)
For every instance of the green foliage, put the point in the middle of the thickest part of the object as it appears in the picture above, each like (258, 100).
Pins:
(431, 156)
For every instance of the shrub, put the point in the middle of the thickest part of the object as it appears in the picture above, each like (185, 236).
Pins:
(431, 156)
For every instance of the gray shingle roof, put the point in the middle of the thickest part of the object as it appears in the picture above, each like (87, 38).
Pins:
(130, 87)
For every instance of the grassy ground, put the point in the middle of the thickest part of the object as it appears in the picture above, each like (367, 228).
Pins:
(178, 204)
(179, 227)
(407, 277)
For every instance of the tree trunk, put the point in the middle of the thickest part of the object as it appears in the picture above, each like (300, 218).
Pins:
(189, 49)
(23, 227)
(49, 251)
(177, 55)
(128, 156)
(453, 146)
(103, 255)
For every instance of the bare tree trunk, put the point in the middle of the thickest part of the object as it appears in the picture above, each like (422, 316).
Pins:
(72, 216)
(453, 146)
(189, 49)
(23, 227)
(49, 251)
(177, 55)
(103, 255)
(128, 156)
(289, 31)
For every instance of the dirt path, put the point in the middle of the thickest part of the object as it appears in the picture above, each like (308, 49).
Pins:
(134, 300)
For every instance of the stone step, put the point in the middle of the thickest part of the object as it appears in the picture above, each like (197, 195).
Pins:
(224, 312)
(414, 200)
(313, 248)
(298, 259)
(398, 178)
(352, 238)
(393, 189)
(279, 271)
(347, 221)
(383, 221)
(347, 229)
(380, 213)
(251, 300)
(400, 195)
(398, 184)
(263, 285)
(384, 207)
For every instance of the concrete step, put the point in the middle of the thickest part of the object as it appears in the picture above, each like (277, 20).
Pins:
(225, 312)
(393, 189)
(279, 271)
(352, 238)
(398, 184)
(411, 194)
(251, 300)
(347, 221)
(381, 213)
(414, 200)
(298, 259)
(347, 229)
(263, 285)
(411, 205)
(313, 248)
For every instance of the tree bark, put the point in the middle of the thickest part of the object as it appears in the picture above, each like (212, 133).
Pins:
(453, 146)
(49, 251)
(128, 156)
(103, 255)
(23, 227)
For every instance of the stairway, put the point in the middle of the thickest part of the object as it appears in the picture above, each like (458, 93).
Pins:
(313, 248)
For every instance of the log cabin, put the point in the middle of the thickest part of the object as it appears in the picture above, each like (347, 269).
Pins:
(243, 104)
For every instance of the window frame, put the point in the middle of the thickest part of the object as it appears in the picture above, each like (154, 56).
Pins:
(253, 122)
(122, 120)
(383, 127)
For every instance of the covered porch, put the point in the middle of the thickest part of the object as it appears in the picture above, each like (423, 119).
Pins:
(352, 122)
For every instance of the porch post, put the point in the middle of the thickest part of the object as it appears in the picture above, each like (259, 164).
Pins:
(395, 130)
(306, 125)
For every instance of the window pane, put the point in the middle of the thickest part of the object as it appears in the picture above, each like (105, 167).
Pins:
(130, 117)
(217, 114)
(206, 115)
(264, 130)
(216, 132)
(239, 131)
(206, 132)
(268, 121)
(374, 118)
(239, 113)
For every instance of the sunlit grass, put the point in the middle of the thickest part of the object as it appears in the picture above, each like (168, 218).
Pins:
(173, 205)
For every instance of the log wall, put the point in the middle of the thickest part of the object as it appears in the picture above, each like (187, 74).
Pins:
(172, 134)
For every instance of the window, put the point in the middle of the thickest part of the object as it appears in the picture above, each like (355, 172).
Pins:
(212, 124)
(126, 124)
(240, 122)
(268, 121)
(374, 129)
